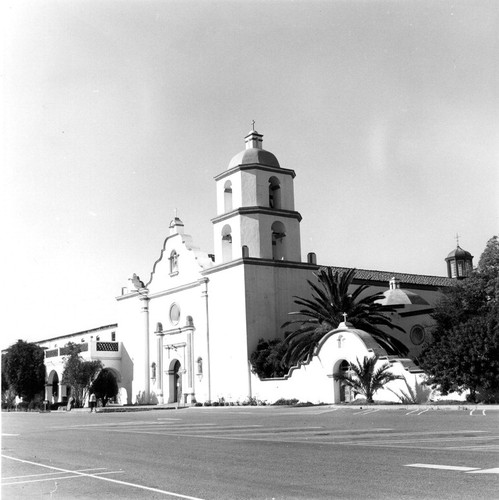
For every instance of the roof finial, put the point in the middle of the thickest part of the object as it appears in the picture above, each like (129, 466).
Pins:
(344, 317)
(457, 239)
(175, 212)
(253, 125)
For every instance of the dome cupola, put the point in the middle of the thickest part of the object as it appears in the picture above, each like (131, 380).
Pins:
(459, 263)
(396, 296)
(253, 154)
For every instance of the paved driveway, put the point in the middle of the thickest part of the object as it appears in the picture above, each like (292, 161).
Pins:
(252, 453)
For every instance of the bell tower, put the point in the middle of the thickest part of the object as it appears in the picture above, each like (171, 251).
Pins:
(255, 208)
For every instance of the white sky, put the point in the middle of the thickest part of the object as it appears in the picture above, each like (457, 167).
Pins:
(117, 112)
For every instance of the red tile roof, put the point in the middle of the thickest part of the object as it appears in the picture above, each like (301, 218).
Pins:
(405, 279)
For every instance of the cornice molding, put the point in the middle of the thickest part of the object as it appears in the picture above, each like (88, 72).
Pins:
(288, 214)
(252, 261)
(256, 166)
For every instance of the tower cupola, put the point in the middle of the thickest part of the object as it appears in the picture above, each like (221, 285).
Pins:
(459, 263)
(253, 140)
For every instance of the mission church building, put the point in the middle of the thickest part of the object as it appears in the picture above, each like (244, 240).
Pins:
(186, 332)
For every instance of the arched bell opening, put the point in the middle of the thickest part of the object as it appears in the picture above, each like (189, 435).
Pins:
(228, 196)
(274, 193)
(226, 243)
(278, 241)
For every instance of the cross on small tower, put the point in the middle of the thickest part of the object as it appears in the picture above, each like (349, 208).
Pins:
(344, 317)
(253, 124)
(457, 239)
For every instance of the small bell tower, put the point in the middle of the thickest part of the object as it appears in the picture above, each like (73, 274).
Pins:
(255, 207)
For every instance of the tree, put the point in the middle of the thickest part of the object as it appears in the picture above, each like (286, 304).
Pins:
(8, 395)
(366, 379)
(324, 312)
(79, 374)
(488, 268)
(25, 370)
(266, 359)
(105, 386)
(463, 354)
(466, 357)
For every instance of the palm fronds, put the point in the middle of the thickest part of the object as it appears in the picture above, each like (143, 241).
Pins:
(418, 395)
(365, 379)
(323, 312)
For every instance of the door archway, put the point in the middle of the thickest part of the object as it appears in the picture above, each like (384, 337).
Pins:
(175, 382)
(342, 393)
(52, 394)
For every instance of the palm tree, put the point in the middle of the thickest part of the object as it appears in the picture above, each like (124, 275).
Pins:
(364, 379)
(324, 312)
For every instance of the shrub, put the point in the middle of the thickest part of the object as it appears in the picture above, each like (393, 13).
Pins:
(267, 358)
(285, 402)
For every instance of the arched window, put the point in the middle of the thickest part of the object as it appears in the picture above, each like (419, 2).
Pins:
(173, 262)
(274, 193)
(228, 196)
(226, 243)
(278, 241)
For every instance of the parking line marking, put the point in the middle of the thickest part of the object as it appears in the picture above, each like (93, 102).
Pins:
(365, 412)
(48, 474)
(412, 411)
(443, 467)
(485, 471)
(73, 476)
(326, 411)
(108, 479)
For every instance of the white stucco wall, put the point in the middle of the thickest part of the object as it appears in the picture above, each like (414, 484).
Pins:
(314, 381)
(227, 333)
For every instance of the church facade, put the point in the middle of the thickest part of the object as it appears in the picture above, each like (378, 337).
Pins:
(186, 333)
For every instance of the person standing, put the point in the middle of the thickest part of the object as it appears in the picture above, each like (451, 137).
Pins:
(92, 402)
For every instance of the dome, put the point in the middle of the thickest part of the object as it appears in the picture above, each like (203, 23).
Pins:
(395, 296)
(459, 253)
(400, 296)
(254, 155)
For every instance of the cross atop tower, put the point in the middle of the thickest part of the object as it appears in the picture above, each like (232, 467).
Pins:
(457, 239)
(253, 125)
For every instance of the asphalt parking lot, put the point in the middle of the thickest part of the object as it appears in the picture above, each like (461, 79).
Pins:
(252, 453)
